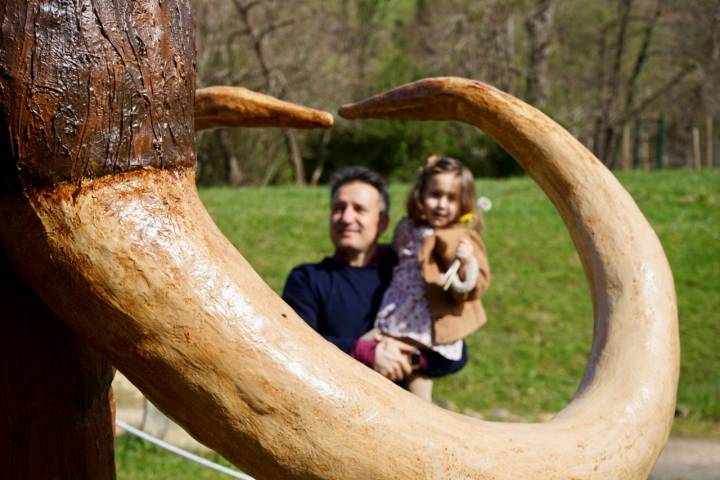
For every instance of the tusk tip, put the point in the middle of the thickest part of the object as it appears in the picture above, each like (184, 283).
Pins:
(325, 119)
(426, 99)
(349, 111)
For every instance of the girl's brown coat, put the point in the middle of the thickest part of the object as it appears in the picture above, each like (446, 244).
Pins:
(455, 316)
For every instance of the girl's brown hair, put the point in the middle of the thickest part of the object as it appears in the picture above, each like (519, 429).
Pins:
(435, 165)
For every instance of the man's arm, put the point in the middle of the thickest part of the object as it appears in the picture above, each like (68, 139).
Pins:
(300, 294)
(387, 356)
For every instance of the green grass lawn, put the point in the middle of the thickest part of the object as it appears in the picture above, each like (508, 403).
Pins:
(137, 459)
(530, 356)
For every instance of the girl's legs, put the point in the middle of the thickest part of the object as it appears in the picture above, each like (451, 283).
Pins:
(420, 385)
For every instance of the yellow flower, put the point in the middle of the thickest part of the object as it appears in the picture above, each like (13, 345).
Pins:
(467, 218)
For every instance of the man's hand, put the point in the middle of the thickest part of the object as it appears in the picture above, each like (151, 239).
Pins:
(392, 358)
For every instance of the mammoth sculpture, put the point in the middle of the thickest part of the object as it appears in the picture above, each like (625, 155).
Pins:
(101, 220)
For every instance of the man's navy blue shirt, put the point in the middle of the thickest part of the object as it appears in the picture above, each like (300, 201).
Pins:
(337, 300)
(341, 302)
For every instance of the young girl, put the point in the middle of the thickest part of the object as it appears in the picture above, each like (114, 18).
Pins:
(431, 303)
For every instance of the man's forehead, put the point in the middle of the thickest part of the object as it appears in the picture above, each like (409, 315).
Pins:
(357, 192)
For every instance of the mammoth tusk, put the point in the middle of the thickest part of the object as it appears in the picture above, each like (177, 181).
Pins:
(139, 269)
(223, 106)
(628, 393)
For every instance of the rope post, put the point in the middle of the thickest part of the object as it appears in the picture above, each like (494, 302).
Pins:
(626, 155)
(636, 144)
(645, 152)
(696, 148)
(709, 140)
(660, 146)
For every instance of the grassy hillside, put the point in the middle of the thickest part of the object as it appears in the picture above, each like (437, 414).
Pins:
(530, 356)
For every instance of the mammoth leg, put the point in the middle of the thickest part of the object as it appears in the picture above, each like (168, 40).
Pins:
(56, 417)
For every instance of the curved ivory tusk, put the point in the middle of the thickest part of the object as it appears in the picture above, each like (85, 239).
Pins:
(628, 393)
(222, 106)
(134, 263)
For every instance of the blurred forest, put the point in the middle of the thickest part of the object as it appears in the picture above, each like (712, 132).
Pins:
(634, 80)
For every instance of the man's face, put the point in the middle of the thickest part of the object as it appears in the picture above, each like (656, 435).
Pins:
(356, 217)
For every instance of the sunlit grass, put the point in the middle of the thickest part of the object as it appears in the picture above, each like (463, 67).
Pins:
(137, 459)
(530, 356)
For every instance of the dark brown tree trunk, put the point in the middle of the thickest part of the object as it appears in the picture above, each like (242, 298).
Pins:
(508, 51)
(56, 420)
(295, 157)
(539, 28)
(633, 81)
(94, 87)
(233, 171)
(258, 39)
(606, 127)
(87, 88)
(320, 166)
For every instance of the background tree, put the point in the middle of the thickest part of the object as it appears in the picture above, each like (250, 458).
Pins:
(539, 29)
(599, 68)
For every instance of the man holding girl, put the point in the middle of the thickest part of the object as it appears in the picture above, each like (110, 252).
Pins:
(388, 320)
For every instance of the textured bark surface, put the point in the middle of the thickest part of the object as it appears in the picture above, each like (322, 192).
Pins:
(55, 420)
(91, 87)
(87, 88)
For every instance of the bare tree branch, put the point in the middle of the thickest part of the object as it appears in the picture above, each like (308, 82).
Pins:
(276, 26)
(655, 95)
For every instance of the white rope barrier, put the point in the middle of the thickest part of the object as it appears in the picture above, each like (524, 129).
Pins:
(181, 452)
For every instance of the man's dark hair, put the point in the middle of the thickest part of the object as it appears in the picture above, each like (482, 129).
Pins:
(356, 173)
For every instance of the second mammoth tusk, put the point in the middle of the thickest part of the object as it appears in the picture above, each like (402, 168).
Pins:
(224, 106)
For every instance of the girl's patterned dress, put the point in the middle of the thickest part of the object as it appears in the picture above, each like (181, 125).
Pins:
(405, 311)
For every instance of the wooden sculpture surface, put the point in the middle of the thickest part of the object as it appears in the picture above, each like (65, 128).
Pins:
(102, 220)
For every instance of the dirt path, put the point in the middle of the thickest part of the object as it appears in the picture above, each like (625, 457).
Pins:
(688, 459)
